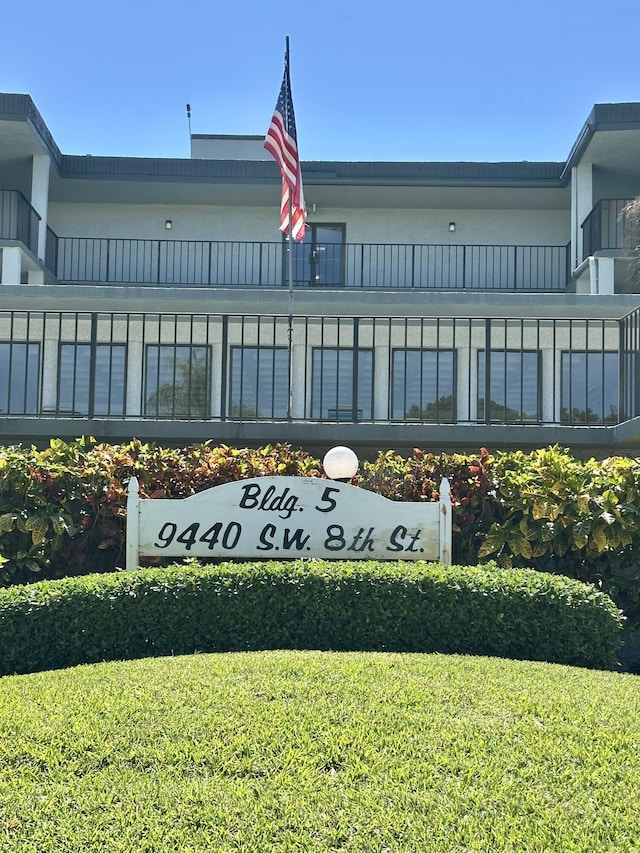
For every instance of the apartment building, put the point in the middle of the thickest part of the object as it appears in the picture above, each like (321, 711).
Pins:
(440, 305)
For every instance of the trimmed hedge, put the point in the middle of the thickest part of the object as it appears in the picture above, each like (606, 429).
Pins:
(63, 508)
(342, 606)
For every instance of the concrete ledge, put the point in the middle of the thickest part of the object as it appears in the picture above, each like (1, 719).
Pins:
(316, 437)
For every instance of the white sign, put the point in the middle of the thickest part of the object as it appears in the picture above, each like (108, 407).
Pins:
(287, 517)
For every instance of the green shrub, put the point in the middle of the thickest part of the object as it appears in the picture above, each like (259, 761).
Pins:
(41, 506)
(418, 477)
(576, 517)
(412, 607)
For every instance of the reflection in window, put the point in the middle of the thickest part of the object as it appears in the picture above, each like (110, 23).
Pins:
(342, 386)
(423, 385)
(74, 391)
(19, 369)
(259, 382)
(177, 381)
(514, 393)
(589, 387)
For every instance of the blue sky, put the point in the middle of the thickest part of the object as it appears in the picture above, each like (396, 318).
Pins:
(370, 80)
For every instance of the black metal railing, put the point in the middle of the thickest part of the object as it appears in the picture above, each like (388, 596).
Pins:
(51, 251)
(629, 382)
(606, 227)
(223, 367)
(18, 220)
(102, 260)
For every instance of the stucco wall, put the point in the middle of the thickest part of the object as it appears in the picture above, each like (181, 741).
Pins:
(199, 222)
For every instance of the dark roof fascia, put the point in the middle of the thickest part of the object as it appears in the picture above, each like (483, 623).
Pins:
(314, 172)
(14, 107)
(154, 169)
(624, 116)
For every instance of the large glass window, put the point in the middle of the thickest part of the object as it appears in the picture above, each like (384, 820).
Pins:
(342, 385)
(259, 382)
(589, 387)
(19, 372)
(76, 394)
(177, 381)
(514, 388)
(423, 385)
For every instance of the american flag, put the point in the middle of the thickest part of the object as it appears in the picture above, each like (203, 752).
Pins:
(281, 141)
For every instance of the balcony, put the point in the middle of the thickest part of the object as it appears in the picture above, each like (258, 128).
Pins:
(18, 220)
(606, 227)
(194, 263)
(193, 374)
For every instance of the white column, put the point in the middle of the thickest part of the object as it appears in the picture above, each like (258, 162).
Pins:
(466, 386)
(216, 379)
(298, 377)
(40, 197)
(601, 275)
(581, 205)
(381, 377)
(134, 376)
(549, 385)
(50, 369)
(11, 265)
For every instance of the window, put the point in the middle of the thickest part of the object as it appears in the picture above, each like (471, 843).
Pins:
(19, 372)
(259, 382)
(342, 385)
(75, 394)
(514, 392)
(177, 381)
(589, 388)
(423, 386)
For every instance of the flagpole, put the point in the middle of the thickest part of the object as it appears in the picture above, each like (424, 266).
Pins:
(290, 246)
(281, 141)
(290, 403)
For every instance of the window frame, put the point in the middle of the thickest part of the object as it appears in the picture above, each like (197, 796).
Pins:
(600, 354)
(153, 412)
(91, 409)
(481, 374)
(423, 351)
(27, 374)
(258, 348)
(354, 411)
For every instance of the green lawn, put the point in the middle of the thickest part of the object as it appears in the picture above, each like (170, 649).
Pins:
(310, 751)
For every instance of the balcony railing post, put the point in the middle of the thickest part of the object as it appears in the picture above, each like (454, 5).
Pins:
(224, 370)
(487, 371)
(413, 265)
(356, 371)
(93, 356)
(108, 271)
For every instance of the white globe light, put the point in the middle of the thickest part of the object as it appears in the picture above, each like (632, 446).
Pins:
(340, 463)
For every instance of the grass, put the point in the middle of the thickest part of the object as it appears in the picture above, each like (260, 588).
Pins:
(311, 751)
